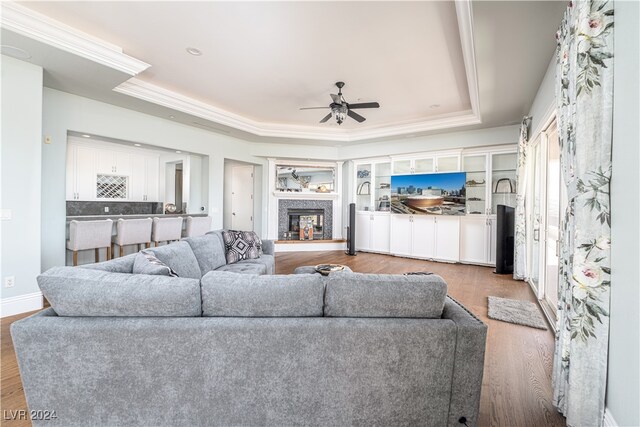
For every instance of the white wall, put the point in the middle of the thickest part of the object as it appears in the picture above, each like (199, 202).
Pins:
(544, 104)
(623, 382)
(21, 178)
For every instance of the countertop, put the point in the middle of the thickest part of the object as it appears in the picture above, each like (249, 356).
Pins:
(116, 217)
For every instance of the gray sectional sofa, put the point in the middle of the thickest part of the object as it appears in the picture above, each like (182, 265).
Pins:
(233, 349)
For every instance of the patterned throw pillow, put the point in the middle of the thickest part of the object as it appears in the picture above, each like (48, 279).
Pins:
(240, 245)
(147, 263)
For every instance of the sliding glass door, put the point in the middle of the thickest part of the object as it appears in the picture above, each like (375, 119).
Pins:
(556, 201)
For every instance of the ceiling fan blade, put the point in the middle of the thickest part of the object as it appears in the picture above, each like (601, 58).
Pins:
(312, 108)
(355, 116)
(364, 105)
(337, 99)
(327, 117)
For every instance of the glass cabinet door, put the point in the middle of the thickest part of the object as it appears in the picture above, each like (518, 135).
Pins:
(363, 187)
(382, 192)
(503, 180)
(401, 167)
(423, 165)
(447, 164)
(476, 186)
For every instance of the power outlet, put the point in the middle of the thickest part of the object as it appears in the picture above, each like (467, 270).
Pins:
(106, 209)
(9, 281)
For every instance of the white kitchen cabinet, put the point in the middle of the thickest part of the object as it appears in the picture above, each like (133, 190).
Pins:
(372, 232)
(426, 236)
(140, 169)
(478, 239)
(81, 173)
(144, 178)
(448, 161)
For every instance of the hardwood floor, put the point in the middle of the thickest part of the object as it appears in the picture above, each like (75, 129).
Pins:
(516, 389)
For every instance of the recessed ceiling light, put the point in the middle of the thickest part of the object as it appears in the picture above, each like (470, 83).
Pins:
(84, 135)
(138, 145)
(172, 117)
(193, 51)
(15, 52)
(434, 106)
(178, 151)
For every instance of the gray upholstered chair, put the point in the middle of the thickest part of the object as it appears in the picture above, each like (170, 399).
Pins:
(166, 230)
(84, 235)
(132, 232)
(197, 226)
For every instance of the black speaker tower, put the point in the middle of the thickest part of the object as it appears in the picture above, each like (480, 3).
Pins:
(505, 231)
(351, 230)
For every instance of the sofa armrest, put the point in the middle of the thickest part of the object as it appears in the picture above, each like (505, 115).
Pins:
(268, 247)
(468, 364)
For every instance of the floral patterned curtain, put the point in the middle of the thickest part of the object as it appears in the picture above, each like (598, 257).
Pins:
(520, 247)
(584, 94)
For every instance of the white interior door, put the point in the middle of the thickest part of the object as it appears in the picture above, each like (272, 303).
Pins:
(242, 198)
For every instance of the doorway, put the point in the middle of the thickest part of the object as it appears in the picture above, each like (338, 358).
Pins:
(239, 196)
(547, 203)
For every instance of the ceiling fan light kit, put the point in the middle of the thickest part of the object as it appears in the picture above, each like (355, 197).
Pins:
(340, 108)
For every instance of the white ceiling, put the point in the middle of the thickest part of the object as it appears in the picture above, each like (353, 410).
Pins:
(262, 61)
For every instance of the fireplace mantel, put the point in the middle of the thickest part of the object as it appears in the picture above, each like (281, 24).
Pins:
(305, 195)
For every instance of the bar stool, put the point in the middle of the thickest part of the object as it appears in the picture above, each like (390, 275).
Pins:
(197, 226)
(85, 235)
(166, 230)
(131, 232)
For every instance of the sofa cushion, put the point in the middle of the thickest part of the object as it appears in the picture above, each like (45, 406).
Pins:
(384, 295)
(180, 258)
(117, 265)
(147, 263)
(209, 251)
(244, 268)
(267, 260)
(89, 292)
(240, 245)
(226, 294)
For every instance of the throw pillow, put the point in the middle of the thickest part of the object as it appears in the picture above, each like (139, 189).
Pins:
(147, 263)
(241, 245)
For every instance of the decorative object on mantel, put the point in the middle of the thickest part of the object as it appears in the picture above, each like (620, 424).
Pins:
(322, 189)
(361, 189)
(170, 208)
(325, 269)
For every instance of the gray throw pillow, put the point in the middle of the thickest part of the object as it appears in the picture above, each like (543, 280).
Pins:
(241, 245)
(147, 263)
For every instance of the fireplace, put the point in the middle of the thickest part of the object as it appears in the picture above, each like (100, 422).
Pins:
(301, 218)
(294, 214)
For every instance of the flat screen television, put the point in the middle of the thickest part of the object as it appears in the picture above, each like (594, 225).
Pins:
(505, 232)
(429, 193)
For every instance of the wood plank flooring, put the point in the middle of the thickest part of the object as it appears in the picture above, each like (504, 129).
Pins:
(516, 389)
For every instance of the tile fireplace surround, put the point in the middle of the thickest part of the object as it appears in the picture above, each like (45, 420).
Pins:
(283, 214)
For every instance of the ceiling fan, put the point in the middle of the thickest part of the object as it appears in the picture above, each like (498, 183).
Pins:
(340, 108)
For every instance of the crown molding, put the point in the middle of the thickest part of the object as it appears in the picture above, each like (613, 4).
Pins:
(155, 94)
(464, 13)
(29, 23)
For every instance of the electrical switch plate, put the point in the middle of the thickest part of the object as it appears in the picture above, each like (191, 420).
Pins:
(9, 281)
(106, 209)
(47, 139)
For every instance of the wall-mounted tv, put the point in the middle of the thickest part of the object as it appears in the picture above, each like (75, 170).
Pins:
(429, 193)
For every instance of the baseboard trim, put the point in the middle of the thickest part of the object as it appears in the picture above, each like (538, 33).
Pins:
(21, 304)
(608, 420)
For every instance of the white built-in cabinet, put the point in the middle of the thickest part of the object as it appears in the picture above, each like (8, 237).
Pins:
(138, 171)
(372, 231)
(469, 238)
(425, 236)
